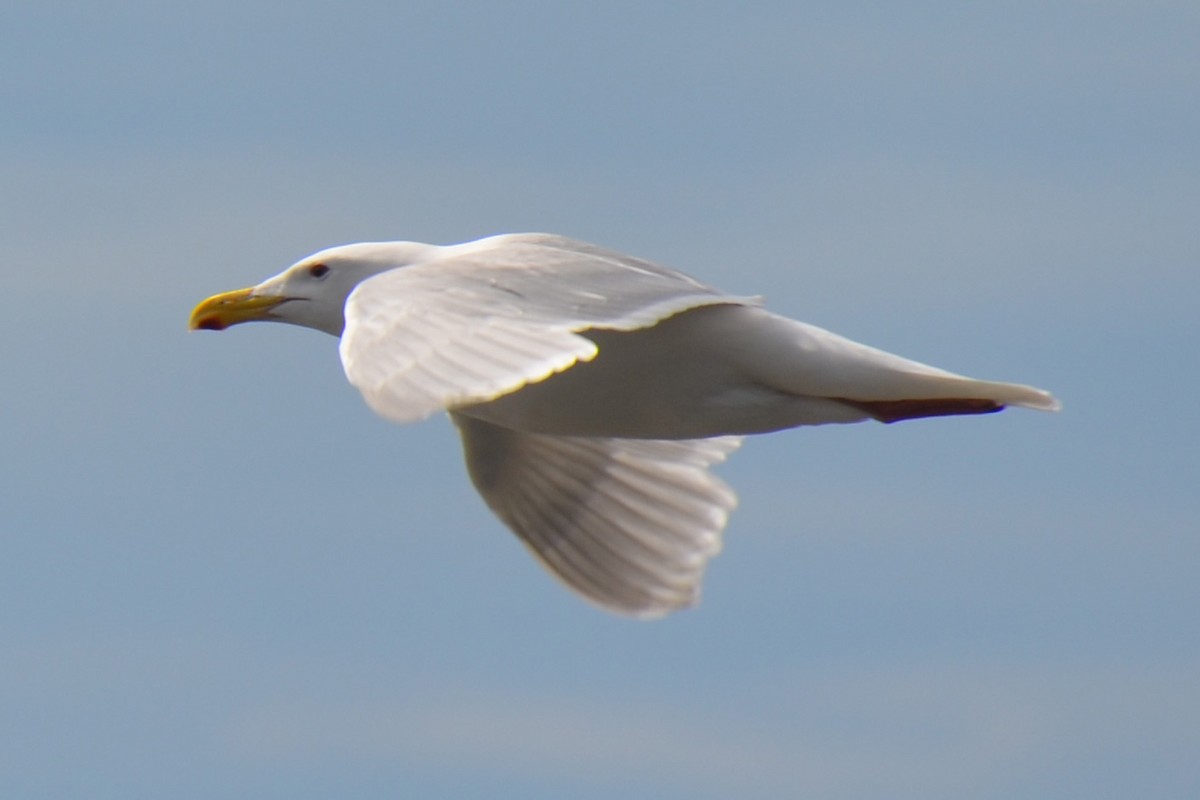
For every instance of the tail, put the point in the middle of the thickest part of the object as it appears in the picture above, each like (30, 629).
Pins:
(805, 360)
(923, 391)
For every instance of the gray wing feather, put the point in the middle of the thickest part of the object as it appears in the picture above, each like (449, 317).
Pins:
(485, 318)
(628, 524)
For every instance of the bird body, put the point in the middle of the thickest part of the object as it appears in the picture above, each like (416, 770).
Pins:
(592, 389)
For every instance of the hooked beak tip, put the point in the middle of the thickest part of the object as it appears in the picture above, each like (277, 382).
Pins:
(232, 308)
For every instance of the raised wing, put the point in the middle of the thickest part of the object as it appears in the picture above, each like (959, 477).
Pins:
(628, 523)
(485, 318)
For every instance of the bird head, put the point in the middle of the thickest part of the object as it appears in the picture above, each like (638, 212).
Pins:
(312, 292)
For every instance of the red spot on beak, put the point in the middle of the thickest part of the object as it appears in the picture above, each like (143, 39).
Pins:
(212, 323)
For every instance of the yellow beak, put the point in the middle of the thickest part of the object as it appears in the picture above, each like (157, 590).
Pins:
(230, 308)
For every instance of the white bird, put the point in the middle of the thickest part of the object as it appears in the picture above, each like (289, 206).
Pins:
(593, 390)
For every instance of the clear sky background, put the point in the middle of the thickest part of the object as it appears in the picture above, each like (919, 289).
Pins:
(222, 576)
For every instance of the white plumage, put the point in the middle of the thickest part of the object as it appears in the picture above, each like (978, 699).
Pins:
(592, 390)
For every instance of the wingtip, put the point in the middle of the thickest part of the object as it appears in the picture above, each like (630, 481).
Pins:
(1022, 395)
(1038, 400)
(648, 611)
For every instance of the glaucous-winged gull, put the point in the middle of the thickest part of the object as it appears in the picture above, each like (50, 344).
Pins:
(593, 390)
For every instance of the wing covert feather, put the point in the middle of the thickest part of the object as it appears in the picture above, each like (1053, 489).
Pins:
(483, 319)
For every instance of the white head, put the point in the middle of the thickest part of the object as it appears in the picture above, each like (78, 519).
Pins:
(313, 291)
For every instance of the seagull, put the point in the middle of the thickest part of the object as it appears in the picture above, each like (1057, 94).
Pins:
(592, 390)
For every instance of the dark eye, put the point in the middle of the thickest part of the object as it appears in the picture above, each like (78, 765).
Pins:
(318, 270)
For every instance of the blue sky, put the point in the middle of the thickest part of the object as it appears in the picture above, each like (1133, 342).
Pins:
(223, 576)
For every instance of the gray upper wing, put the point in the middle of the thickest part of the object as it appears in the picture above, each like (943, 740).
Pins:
(485, 318)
